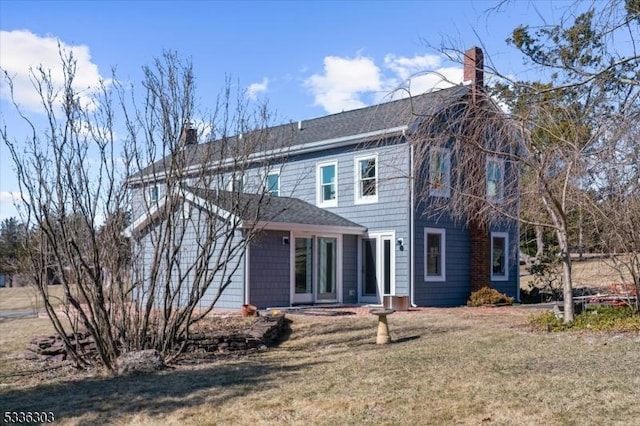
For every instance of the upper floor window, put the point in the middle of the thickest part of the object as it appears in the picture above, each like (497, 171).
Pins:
(439, 172)
(434, 254)
(153, 194)
(495, 179)
(273, 184)
(499, 256)
(366, 179)
(327, 184)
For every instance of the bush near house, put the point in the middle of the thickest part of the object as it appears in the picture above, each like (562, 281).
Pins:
(488, 296)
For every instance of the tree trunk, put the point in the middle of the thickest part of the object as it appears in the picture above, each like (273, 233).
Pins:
(539, 243)
(567, 286)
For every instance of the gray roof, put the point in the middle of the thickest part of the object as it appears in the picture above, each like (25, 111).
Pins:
(403, 112)
(265, 208)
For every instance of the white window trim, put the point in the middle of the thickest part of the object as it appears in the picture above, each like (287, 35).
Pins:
(266, 180)
(500, 197)
(292, 271)
(358, 197)
(505, 276)
(154, 193)
(319, 192)
(445, 191)
(443, 267)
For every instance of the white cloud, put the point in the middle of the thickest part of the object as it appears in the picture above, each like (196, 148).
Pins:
(256, 88)
(22, 52)
(8, 201)
(406, 67)
(346, 82)
(7, 197)
(343, 82)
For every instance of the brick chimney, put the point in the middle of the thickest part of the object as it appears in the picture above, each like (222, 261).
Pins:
(189, 135)
(480, 268)
(474, 70)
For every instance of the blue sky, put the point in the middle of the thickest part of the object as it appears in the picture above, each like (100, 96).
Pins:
(306, 58)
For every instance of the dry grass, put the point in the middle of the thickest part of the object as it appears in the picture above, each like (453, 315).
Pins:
(447, 366)
(587, 273)
(27, 298)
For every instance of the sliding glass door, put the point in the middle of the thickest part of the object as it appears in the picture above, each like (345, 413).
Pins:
(315, 269)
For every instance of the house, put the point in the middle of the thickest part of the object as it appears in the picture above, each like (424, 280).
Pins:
(339, 218)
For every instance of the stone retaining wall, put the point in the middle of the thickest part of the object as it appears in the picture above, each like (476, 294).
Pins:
(258, 336)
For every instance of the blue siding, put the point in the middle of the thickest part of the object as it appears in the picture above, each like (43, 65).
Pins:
(510, 287)
(389, 213)
(350, 269)
(455, 290)
(269, 273)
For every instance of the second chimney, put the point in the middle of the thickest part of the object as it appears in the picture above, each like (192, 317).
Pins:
(189, 135)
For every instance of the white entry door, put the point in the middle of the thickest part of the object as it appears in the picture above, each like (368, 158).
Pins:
(377, 257)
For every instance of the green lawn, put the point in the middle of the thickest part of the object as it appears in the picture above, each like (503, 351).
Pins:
(467, 366)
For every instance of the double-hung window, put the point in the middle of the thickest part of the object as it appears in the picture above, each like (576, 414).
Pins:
(495, 179)
(439, 172)
(273, 184)
(327, 184)
(434, 254)
(153, 194)
(366, 179)
(499, 256)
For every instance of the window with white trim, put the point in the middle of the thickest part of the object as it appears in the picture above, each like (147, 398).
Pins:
(327, 184)
(366, 179)
(273, 184)
(499, 256)
(434, 254)
(439, 172)
(153, 194)
(495, 179)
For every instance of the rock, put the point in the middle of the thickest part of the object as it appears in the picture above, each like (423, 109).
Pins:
(32, 356)
(139, 362)
(56, 358)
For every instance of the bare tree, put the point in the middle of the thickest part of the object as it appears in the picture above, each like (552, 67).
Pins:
(130, 212)
(550, 132)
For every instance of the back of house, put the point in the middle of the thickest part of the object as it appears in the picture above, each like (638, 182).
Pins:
(331, 210)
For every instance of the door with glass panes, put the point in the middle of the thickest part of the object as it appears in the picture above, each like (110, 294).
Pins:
(377, 258)
(315, 269)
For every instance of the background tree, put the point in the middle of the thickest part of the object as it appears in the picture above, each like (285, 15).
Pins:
(98, 157)
(11, 238)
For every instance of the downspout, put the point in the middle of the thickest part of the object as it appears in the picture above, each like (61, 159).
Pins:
(412, 255)
(246, 273)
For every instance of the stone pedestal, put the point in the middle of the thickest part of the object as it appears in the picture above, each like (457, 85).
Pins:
(383, 337)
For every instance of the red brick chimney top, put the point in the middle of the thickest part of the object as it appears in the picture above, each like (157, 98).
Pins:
(474, 67)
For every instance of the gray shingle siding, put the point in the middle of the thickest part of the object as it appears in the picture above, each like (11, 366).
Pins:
(269, 273)
(231, 297)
